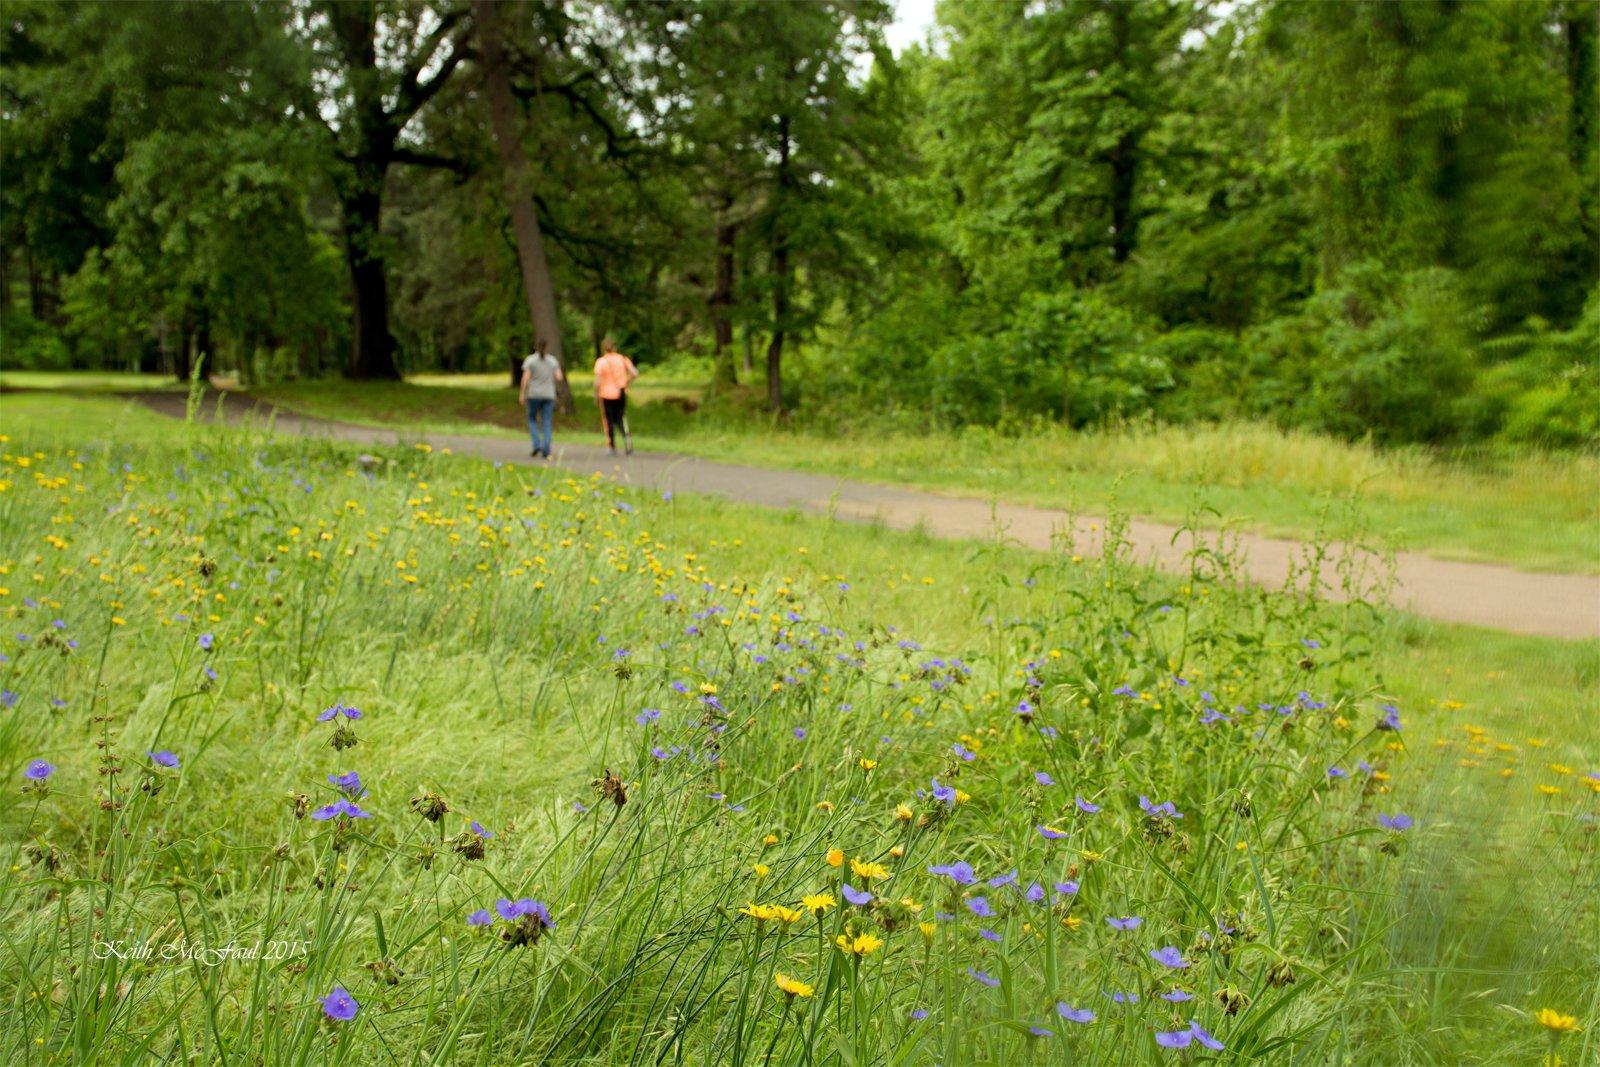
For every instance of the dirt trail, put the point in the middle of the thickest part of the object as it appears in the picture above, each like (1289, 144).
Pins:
(1481, 594)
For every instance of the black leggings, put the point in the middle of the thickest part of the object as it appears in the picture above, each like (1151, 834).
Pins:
(616, 412)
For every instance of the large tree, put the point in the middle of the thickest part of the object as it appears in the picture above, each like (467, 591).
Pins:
(375, 66)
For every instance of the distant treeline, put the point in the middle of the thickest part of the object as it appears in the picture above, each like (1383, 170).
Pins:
(1369, 218)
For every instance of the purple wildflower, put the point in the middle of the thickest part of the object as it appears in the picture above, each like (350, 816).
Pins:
(1169, 957)
(858, 897)
(1132, 922)
(339, 1005)
(39, 770)
(1073, 1015)
(1086, 807)
(987, 979)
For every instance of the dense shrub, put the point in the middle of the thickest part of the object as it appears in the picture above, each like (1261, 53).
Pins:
(28, 344)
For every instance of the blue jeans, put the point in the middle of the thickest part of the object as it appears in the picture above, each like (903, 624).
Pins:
(540, 410)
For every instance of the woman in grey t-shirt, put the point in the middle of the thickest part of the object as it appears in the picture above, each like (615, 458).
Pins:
(540, 373)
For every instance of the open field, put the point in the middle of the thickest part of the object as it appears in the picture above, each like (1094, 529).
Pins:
(766, 687)
(1532, 510)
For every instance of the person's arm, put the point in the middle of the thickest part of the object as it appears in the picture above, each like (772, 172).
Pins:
(633, 372)
(522, 390)
(561, 375)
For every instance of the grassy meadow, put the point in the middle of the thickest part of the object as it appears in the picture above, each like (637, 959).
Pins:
(1525, 508)
(673, 780)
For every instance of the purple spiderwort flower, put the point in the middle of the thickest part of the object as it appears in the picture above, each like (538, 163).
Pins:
(959, 873)
(1040, 1031)
(1174, 1038)
(340, 807)
(1399, 822)
(920, 1014)
(1003, 879)
(481, 917)
(1177, 996)
(944, 793)
(39, 770)
(1124, 998)
(349, 784)
(1050, 833)
(163, 758)
(205, 641)
(987, 979)
(1043, 778)
(1338, 772)
(1166, 809)
(1086, 807)
(1391, 717)
(1132, 922)
(477, 828)
(1204, 1038)
(858, 897)
(339, 1005)
(1067, 889)
(989, 935)
(1169, 957)
(1035, 893)
(337, 710)
(979, 906)
(1073, 1015)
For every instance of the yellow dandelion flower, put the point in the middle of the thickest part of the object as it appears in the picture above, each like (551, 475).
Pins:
(868, 870)
(867, 764)
(927, 929)
(770, 839)
(793, 986)
(903, 812)
(897, 852)
(835, 857)
(825, 805)
(818, 903)
(708, 689)
(1550, 790)
(761, 870)
(1555, 1022)
(860, 945)
(1071, 922)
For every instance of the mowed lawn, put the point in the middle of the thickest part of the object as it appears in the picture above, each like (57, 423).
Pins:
(759, 688)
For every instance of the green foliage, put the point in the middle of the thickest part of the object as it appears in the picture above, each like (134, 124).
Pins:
(28, 344)
(1357, 217)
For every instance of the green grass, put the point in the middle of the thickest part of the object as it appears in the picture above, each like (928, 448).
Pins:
(86, 381)
(1530, 510)
(494, 681)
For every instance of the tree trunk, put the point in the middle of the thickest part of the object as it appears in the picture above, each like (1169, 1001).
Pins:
(780, 272)
(724, 372)
(1124, 156)
(1581, 28)
(183, 356)
(536, 284)
(372, 345)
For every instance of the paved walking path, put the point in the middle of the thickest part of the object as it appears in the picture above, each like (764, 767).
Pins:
(1553, 605)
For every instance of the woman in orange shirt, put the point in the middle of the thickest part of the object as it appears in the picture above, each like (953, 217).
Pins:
(613, 371)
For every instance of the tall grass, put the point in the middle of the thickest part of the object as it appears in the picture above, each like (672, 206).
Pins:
(668, 713)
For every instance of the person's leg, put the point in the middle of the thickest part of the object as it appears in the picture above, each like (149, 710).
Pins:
(533, 428)
(622, 417)
(545, 413)
(613, 416)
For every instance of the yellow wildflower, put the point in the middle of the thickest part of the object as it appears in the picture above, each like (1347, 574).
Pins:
(835, 857)
(867, 764)
(761, 870)
(1555, 1022)
(793, 987)
(860, 945)
(869, 870)
(817, 903)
